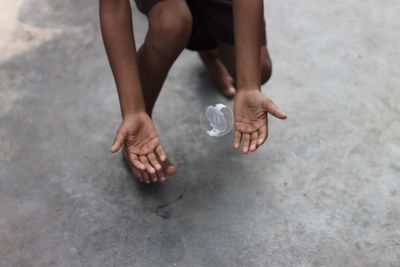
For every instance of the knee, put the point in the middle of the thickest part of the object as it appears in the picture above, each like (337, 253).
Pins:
(171, 22)
(170, 26)
(266, 70)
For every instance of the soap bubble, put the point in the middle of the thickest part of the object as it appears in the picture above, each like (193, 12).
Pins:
(216, 120)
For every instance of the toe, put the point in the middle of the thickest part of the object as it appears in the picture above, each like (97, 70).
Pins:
(161, 176)
(171, 170)
(229, 91)
(146, 177)
(168, 168)
(153, 177)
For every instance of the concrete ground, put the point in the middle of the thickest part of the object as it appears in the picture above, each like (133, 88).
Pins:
(324, 190)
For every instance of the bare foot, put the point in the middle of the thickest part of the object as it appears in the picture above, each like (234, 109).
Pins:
(160, 176)
(218, 72)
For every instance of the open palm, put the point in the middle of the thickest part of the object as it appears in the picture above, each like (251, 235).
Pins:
(251, 121)
(142, 147)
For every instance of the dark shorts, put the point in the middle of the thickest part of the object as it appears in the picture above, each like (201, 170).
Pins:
(212, 22)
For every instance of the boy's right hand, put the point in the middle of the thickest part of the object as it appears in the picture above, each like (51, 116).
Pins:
(142, 146)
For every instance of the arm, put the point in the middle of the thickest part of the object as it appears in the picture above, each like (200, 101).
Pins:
(136, 132)
(248, 16)
(251, 106)
(119, 41)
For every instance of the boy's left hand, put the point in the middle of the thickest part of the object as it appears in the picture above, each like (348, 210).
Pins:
(251, 122)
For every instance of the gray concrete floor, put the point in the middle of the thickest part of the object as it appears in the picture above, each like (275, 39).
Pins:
(324, 191)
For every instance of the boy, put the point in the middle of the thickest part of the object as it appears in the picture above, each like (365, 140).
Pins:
(230, 38)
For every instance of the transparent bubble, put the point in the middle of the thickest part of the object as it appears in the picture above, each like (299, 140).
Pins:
(216, 120)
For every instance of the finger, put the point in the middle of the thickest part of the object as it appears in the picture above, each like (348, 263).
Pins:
(238, 138)
(136, 162)
(161, 154)
(161, 174)
(118, 142)
(262, 135)
(146, 177)
(153, 161)
(146, 163)
(273, 109)
(246, 143)
(253, 141)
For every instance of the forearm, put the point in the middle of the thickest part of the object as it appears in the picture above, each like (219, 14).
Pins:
(248, 16)
(119, 42)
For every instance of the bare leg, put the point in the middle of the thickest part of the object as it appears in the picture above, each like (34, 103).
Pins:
(170, 26)
(222, 68)
(226, 53)
(218, 72)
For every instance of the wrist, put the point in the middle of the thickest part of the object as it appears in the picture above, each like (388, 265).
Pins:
(249, 88)
(134, 113)
(132, 109)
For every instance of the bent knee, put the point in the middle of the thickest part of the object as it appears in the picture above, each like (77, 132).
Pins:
(170, 24)
(266, 70)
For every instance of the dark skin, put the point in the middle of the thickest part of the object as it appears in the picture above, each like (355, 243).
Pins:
(137, 92)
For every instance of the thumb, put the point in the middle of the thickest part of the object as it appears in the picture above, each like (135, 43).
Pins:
(118, 141)
(273, 109)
